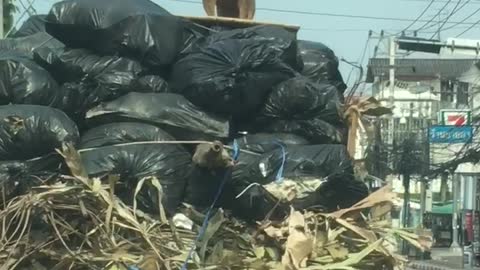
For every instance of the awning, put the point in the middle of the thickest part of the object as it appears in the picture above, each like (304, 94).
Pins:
(442, 209)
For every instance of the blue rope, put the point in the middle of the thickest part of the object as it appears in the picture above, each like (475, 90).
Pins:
(236, 153)
(279, 176)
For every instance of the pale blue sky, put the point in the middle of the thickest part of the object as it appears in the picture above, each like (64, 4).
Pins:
(346, 36)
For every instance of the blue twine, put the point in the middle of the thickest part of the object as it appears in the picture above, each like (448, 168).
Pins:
(133, 268)
(236, 153)
(279, 176)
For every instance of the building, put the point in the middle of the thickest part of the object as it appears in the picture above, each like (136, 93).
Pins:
(423, 86)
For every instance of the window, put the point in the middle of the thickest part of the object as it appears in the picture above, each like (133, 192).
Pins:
(446, 91)
(462, 93)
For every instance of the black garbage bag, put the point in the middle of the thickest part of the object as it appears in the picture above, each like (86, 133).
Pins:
(169, 163)
(171, 112)
(70, 65)
(253, 204)
(24, 82)
(19, 176)
(33, 25)
(232, 72)
(331, 162)
(150, 84)
(266, 142)
(320, 63)
(28, 44)
(299, 98)
(334, 195)
(30, 131)
(203, 186)
(322, 173)
(78, 97)
(139, 29)
(120, 133)
(316, 131)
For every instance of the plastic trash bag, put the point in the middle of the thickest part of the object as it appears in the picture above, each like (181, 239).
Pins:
(33, 25)
(30, 131)
(334, 195)
(295, 161)
(299, 99)
(266, 142)
(24, 82)
(150, 84)
(170, 164)
(232, 72)
(316, 131)
(70, 65)
(28, 44)
(253, 204)
(320, 64)
(139, 29)
(327, 169)
(171, 112)
(120, 133)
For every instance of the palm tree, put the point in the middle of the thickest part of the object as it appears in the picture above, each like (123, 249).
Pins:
(9, 10)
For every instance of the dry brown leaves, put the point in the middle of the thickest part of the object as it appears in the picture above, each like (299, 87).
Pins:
(78, 223)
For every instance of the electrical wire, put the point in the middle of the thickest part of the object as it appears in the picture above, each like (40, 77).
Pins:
(419, 16)
(468, 29)
(465, 19)
(438, 14)
(360, 60)
(327, 14)
(448, 18)
(451, 14)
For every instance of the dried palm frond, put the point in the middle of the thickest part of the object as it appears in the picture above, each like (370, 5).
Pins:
(78, 223)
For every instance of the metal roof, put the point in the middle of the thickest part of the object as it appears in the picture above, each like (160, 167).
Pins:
(425, 67)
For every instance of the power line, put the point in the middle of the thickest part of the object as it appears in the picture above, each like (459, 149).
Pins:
(438, 14)
(448, 17)
(468, 29)
(453, 12)
(419, 16)
(326, 14)
(466, 18)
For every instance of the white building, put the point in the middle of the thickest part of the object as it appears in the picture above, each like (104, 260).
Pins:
(422, 88)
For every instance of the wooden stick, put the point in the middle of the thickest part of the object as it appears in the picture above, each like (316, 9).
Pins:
(235, 22)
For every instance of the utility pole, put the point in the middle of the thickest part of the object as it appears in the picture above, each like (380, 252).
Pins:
(1, 19)
(455, 190)
(392, 52)
(391, 97)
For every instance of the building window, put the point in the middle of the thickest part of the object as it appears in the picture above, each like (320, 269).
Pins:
(446, 91)
(462, 93)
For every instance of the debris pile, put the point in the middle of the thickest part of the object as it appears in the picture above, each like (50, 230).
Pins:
(77, 222)
(160, 122)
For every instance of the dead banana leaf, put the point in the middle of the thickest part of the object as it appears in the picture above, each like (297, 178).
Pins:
(299, 244)
(337, 252)
(353, 259)
(366, 234)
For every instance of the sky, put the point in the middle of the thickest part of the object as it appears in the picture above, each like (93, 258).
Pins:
(342, 24)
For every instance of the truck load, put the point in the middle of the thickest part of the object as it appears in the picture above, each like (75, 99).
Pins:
(146, 140)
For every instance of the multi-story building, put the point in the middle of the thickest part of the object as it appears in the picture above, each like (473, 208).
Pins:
(423, 87)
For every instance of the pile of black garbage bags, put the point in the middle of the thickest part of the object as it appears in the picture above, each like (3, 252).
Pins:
(118, 79)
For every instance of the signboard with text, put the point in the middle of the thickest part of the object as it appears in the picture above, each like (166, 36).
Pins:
(455, 117)
(451, 134)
